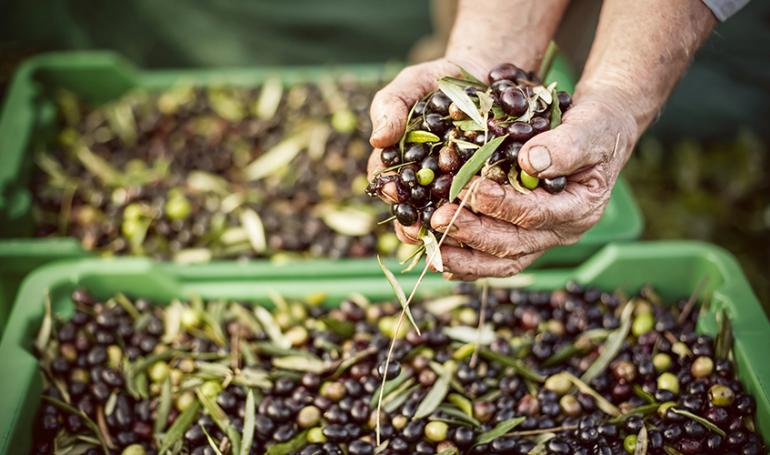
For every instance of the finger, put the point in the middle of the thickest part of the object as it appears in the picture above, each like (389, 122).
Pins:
(492, 236)
(469, 264)
(391, 104)
(375, 164)
(388, 192)
(579, 142)
(539, 209)
(408, 234)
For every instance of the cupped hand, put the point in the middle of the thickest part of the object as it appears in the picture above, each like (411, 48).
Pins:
(503, 231)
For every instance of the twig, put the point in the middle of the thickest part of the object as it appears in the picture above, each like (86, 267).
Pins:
(691, 302)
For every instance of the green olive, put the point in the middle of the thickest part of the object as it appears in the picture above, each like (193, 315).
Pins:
(680, 349)
(309, 416)
(184, 401)
(643, 323)
(387, 243)
(190, 318)
(333, 391)
(114, 356)
(558, 383)
(663, 408)
(211, 389)
(436, 431)
(316, 436)
(399, 422)
(344, 121)
(528, 181)
(134, 449)
(570, 405)
(721, 395)
(629, 443)
(159, 371)
(668, 381)
(425, 176)
(702, 367)
(297, 336)
(177, 207)
(661, 361)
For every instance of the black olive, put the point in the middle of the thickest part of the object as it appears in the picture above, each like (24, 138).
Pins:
(406, 214)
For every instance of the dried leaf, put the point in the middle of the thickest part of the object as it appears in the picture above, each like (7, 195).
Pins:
(473, 166)
(400, 296)
(420, 136)
(172, 321)
(280, 155)
(642, 441)
(437, 392)
(44, 335)
(164, 407)
(465, 144)
(724, 340)
(269, 98)
(469, 125)
(460, 98)
(252, 223)
(270, 326)
(432, 251)
(482, 335)
(611, 346)
(252, 377)
(444, 305)
(701, 420)
(555, 112)
(249, 416)
(485, 104)
(350, 221)
(500, 429)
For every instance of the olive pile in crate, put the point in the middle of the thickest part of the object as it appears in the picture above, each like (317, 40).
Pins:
(574, 371)
(193, 173)
(465, 128)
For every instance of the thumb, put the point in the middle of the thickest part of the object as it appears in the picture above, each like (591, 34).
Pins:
(585, 138)
(391, 105)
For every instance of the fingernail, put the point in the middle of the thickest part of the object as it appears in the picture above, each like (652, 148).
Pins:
(539, 158)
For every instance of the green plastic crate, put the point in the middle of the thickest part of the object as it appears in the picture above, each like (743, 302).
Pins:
(674, 268)
(97, 77)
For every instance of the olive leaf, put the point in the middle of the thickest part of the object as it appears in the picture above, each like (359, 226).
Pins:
(432, 251)
(390, 386)
(420, 136)
(220, 418)
(461, 99)
(249, 416)
(415, 259)
(179, 427)
(518, 366)
(277, 157)
(548, 58)
(701, 420)
(443, 305)
(346, 364)
(437, 393)
(349, 220)
(252, 223)
(172, 321)
(724, 339)
(164, 407)
(270, 326)
(541, 441)
(563, 354)
(478, 335)
(269, 98)
(400, 296)
(473, 165)
(642, 441)
(396, 399)
(459, 415)
(603, 404)
(462, 403)
(289, 447)
(65, 407)
(98, 166)
(500, 429)
(639, 410)
(485, 104)
(468, 125)
(211, 441)
(611, 346)
(252, 377)
(300, 363)
(44, 335)
(465, 144)
(555, 111)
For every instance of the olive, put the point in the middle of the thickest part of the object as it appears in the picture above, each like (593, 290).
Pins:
(496, 174)
(513, 101)
(436, 431)
(555, 185)
(540, 124)
(335, 432)
(394, 369)
(425, 176)
(413, 430)
(506, 71)
(419, 107)
(455, 113)
(502, 84)
(528, 181)
(419, 196)
(668, 381)
(642, 324)
(435, 123)
(415, 152)
(464, 436)
(408, 176)
(661, 361)
(440, 187)
(565, 100)
(557, 445)
(440, 103)
(431, 163)
(520, 131)
(426, 215)
(448, 159)
(360, 447)
(702, 366)
(721, 395)
(390, 156)
(406, 214)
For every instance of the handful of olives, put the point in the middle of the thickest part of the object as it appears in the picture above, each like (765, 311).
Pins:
(449, 127)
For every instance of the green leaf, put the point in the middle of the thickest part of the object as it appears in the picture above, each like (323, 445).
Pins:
(601, 402)
(701, 420)
(462, 403)
(563, 354)
(400, 296)
(437, 393)
(482, 335)
(432, 251)
(271, 327)
(642, 410)
(390, 386)
(220, 418)
(468, 125)
(473, 165)
(289, 447)
(44, 334)
(611, 346)
(517, 365)
(86, 419)
(344, 329)
(724, 341)
(300, 363)
(277, 157)
(443, 305)
(671, 451)
(399, 396)
(179, 427)
(350, 221)
(211, 441)
(548, 58)
(352, 360)
(459, 415)
(420, 136)
(249, 414)
(500, 429)
(457, 94)
(164, 406)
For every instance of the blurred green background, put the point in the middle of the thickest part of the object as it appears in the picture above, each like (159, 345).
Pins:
(700, 173)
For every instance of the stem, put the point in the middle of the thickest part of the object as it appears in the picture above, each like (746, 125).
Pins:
(691, 302)
(482, 316)
(547, 62)
(543, 430)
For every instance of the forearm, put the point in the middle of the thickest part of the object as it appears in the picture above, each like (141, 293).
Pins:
(488, 32)
(641, 50)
